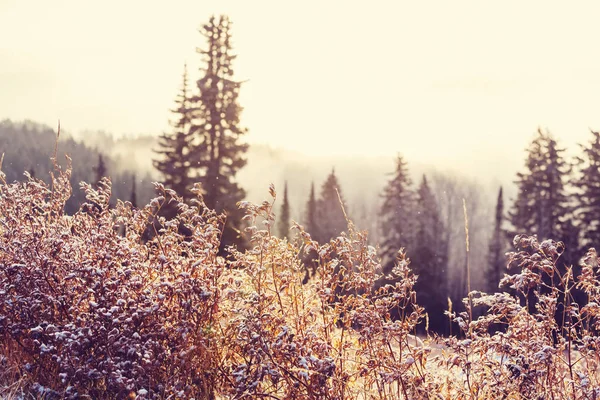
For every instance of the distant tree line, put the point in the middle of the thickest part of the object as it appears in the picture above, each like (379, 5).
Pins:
(409, 218)
(29, 146)
(556, 198)
(205, 147)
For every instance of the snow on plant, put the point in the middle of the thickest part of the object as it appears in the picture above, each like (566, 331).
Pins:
(93, 305)
(331, 338)
(90, 306)
(87, 310)
(545, 348)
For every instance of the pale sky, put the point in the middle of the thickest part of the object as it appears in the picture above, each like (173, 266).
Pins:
(462, 83)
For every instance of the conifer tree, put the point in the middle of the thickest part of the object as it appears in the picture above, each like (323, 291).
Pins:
(284, 216)
(100, 169)
(331, 217)
(310, 219)
(588, 185)
(429, 257)
(542, 205)
(174, 149)
(427, 218)
(311, 226)
(397, 214)
(497, 248)
(217, 153)
(133, 195)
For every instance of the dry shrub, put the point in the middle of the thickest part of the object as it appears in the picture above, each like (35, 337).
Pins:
(86, 310)
(332, 338)
(89, 307)
(548, 349)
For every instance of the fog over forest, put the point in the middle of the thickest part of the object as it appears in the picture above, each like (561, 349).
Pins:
(313, 200)
(464, 130)
(361, 181)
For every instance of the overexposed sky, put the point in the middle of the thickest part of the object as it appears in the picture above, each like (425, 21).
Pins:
(463, 83)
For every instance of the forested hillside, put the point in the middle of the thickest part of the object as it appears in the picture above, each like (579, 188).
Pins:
(29, 146)
(321, 223)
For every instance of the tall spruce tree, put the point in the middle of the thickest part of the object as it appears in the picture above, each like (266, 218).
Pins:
(174, 149)
(428, 221)
(284, 215)
(542, 206)
(497, 248)
(397, 214)
(429, 257)
(100, 169)
(331, 217)
(310, 219)
(217, 151)
(133, 195)
(588, 185)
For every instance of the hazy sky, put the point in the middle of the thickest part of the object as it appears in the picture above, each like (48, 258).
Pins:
(457, 83)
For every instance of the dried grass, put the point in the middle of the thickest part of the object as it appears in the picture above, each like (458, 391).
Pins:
(88, 308)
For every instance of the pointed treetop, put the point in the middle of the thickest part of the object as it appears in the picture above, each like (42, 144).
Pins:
(284, 216)
(497, 246)
(397, 213)
(310, 219)
(332, 220)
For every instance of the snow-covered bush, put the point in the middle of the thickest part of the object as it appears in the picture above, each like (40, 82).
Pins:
(116, 302)
(88, 307)
(547, 347)
(331, 338)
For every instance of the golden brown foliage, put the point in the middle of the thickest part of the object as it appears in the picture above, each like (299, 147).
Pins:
(88, 307)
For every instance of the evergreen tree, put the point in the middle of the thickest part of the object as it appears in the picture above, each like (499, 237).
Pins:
(429, 257)
(310, 220)
(174, 149)
(133, 196)
(362, 218)
(588, 185)
(332, 221)
(217, 153)
(427, 218)
(311, 226)
(397, 214)
(542, 205)
(497, 248)
(100, 169)
(284, 216)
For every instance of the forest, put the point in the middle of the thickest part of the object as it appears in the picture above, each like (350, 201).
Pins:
(197, 265)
